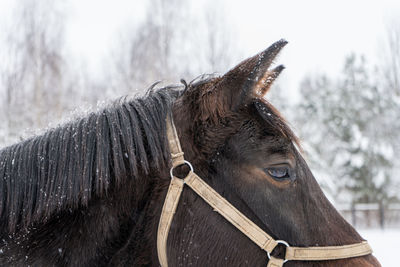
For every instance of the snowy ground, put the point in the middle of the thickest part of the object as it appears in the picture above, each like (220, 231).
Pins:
(384, 244)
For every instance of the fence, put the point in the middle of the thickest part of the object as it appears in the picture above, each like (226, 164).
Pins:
(372, 215)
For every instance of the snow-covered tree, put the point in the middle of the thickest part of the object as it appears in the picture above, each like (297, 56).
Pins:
(347, 127)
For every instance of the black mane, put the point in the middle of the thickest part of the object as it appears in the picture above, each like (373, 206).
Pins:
(68, 165)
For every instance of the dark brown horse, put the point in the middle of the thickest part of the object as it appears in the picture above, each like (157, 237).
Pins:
(90, 193)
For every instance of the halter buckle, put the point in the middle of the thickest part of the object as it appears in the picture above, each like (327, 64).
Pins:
(171, 171)
(279, 242)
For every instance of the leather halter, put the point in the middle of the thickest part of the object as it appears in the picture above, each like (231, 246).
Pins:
(235, 217)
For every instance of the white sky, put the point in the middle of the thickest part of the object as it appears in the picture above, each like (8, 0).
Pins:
(320, 33)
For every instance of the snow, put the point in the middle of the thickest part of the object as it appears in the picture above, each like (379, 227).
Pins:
(385, 245)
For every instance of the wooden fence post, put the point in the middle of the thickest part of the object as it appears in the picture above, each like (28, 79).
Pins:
(353, 214)
(382, 215)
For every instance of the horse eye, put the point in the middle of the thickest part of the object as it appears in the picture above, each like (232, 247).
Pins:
(278, 173)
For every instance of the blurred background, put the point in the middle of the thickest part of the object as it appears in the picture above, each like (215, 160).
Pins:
(340, 90)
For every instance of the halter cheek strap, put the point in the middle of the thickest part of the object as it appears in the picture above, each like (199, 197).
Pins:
(235, 217)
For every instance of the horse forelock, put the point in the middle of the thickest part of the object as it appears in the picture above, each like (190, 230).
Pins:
(68, 165)
(277, 124)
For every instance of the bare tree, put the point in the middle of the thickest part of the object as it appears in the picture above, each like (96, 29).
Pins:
(146, 53)
(171, 44)
(391, 61)
(220, 47)
(33, 77)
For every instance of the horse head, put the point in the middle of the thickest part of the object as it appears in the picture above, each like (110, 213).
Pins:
(243, 148)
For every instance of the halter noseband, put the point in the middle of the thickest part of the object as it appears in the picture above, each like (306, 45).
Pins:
(235, 217)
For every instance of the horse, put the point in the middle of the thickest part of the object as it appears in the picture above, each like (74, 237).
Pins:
(91, 192)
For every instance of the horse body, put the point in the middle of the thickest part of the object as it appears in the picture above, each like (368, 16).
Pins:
(90, 193)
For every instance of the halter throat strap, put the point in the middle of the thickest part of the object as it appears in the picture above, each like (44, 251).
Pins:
(235, 217)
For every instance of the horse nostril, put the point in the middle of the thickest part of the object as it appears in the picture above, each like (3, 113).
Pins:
(367, 261)
(372, 261)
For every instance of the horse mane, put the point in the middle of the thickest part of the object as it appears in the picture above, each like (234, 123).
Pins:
(69, 165)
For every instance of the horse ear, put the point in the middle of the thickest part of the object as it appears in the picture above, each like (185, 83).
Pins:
(252, 78)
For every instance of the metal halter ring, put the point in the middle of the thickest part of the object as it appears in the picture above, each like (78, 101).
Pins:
(171, 171)
(279, 242)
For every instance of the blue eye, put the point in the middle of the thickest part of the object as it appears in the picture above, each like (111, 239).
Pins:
(278, 173)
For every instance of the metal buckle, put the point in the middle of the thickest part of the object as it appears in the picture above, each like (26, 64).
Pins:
(279, 242)
(171, 171)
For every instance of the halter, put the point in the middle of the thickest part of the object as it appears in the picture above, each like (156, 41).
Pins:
(235, 217)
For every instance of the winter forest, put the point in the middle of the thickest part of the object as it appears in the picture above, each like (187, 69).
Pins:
(348, 123)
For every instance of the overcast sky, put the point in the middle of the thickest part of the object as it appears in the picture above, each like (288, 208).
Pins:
(320, 33)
